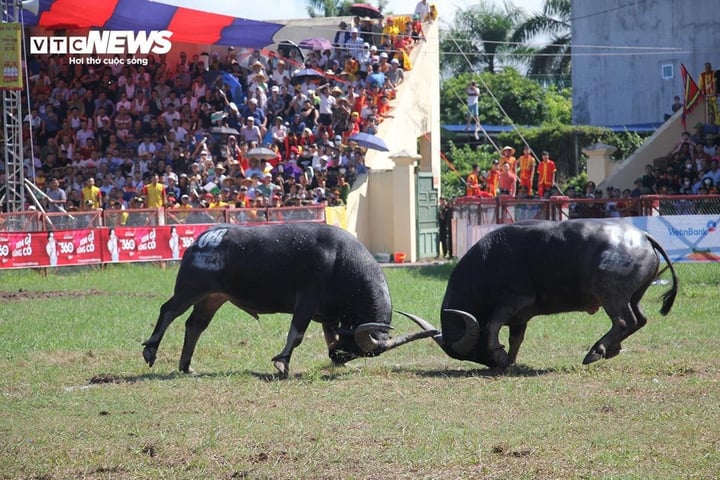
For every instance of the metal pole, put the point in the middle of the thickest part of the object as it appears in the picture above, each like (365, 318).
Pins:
(12, 129)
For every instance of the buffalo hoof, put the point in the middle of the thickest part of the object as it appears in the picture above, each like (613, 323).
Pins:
(186, 368)
(501, 358)
(593, 356)
(282, 367)
(149, 354)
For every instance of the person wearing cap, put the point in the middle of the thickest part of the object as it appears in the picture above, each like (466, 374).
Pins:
(252, 109)
(256, 68)
(395, 74)
(280, 73)
(275, 104)
(250, 132)
(342, 35)
(354, 44)
(507, 155)
(546, 174)
(363, 60)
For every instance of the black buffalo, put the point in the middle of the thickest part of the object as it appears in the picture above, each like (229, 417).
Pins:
(536, 268)
(314, 271)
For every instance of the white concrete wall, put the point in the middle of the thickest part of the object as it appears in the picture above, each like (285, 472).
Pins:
(620, 46)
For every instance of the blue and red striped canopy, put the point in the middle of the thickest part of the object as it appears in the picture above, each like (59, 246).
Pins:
(191, 26)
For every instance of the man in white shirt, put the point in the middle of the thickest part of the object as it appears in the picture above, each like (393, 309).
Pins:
(327, 104)
(473, 93)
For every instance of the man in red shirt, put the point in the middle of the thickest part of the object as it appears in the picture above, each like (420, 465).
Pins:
(507, 180)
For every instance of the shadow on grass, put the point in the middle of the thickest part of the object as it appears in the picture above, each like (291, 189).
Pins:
(327, 374)
(108, 378)
(513, 371)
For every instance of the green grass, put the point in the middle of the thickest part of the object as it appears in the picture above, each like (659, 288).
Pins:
(651, 412)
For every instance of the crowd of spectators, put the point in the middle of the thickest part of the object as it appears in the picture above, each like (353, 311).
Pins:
(176, 134)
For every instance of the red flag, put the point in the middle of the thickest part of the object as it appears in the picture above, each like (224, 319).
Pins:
(691, 94)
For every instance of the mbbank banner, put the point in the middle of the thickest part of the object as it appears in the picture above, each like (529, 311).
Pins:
(686, 238)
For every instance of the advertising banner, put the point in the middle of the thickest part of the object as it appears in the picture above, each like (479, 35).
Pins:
(95, 246)
(147, 244)
(10, 57)
(50, 249)
(686, 238)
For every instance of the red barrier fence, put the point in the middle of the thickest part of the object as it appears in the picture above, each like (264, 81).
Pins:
(34, 239)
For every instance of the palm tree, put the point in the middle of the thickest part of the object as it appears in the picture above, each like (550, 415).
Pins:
(479, 35)
(553, 24)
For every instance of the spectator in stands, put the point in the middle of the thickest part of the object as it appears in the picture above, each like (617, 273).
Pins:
(250, 132)
(395, 74)
(354, 44)
(91, 195)
(155, 193)
(56, 197)
(713, 173)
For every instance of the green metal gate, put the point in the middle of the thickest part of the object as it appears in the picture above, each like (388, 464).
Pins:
(426, 212)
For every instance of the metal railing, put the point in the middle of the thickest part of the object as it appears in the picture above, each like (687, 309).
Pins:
(36, 221)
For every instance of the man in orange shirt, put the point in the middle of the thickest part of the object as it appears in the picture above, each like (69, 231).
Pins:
(527, 169)
(472, 184)
(506, 156)
(493, 179)
(546, 174)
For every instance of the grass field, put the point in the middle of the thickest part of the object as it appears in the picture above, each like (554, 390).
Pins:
(77, 400)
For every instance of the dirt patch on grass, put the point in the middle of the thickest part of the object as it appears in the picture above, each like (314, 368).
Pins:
(21, 295)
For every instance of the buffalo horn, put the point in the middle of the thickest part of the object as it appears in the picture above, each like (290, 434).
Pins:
(467, 342)
(368, 344)
(425, 325)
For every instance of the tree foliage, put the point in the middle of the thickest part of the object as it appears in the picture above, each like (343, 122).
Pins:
(552, 26)
(564, 142)
(478, 37)
(521, 99)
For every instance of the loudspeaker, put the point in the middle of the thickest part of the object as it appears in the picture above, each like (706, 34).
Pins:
(32, 6)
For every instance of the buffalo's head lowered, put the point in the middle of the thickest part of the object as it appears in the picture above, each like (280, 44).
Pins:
(367, 340)
(462, 337)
